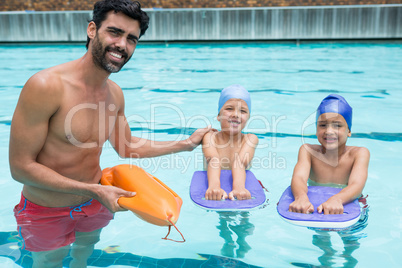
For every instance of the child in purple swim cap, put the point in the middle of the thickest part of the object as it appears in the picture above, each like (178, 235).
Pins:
(230, 148)
(330, 163)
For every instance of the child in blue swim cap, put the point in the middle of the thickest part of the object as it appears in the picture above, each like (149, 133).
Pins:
(230, 148)
(330, 163)
(334, 103)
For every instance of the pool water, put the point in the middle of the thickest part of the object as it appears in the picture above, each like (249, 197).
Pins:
(172, 89)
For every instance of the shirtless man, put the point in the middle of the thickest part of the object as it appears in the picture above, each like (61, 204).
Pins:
(331, 163)
(63, 117)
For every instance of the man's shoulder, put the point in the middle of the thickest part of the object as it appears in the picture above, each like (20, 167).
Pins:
(46, 81)
(54, 73)
(114, 88)
(113, 84)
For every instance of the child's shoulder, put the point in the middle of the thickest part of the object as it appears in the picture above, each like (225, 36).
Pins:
(310, 151)
(357, 152)
(311, 147)
(209, 134)
(251, 137)
(209, 138)
(249, 140)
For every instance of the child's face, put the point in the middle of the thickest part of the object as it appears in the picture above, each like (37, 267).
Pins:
(234, 115)
(332, 130)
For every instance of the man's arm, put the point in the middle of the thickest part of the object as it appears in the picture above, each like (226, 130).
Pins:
(357, 180)
(29, 130)
(128, 146)
(241, 162)
(214, 191)
(299, 187)
(141, 148)
(28, 134)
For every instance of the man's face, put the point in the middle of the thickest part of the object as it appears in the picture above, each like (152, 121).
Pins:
(115, 42)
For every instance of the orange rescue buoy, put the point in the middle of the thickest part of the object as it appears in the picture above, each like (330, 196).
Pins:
(154, 202)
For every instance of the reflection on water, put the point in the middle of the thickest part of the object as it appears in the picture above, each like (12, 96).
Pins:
(234, 227)
(351, 241)
(11, 247)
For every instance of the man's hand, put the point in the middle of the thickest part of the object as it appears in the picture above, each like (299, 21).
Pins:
(332, 206)
(109, 195)
(301, 205)
(195, 139)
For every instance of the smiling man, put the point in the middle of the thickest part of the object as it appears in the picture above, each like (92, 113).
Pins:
(56, 143)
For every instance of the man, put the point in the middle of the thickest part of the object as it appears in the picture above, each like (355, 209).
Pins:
(55, 144)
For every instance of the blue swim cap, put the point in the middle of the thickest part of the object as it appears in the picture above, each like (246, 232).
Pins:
(336, 104)
(234, 92)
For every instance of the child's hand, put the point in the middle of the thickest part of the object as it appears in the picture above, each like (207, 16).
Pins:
(331, 206)
(215, 194)
(239, 194)
(301, 205)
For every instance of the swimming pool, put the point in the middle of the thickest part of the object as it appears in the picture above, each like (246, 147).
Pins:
(172, 89)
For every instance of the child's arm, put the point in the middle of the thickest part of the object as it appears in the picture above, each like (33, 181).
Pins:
(241, 162)
(214, 191)
(300, 176)
(357, 180)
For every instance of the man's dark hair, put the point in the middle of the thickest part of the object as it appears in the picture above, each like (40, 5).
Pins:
(127, 7)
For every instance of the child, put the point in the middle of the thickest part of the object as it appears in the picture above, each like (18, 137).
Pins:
(332, 163)
(230, 148)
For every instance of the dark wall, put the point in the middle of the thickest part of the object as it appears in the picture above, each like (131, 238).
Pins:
(61, 5)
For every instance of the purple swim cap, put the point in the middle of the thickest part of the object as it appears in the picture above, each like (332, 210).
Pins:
(234, 92)
(336, 104)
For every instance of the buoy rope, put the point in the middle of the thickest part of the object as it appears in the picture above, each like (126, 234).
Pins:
(170, 226)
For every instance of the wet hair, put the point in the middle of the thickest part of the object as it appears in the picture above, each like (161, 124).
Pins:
(127, 7)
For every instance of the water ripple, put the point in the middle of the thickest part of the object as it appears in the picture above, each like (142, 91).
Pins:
(5, 122)
(200, 70)
(380, 136)
(367, 94)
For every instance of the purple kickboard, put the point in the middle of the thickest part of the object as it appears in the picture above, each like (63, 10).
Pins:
(317, 196)
(199, 185)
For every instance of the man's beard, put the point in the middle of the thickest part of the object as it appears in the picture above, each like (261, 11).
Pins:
(99, 57)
